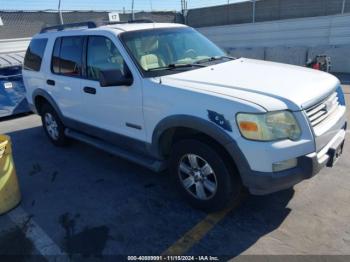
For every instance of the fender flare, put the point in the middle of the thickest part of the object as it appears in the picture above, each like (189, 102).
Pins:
(49, 99)
(202, 125)
(206, 127)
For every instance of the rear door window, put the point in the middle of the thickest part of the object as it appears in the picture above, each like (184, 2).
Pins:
(67, 56)
(34, 54)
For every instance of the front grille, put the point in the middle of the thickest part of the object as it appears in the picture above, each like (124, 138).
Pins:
(322, 110)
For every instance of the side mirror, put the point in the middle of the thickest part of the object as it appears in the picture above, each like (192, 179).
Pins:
(115, 77)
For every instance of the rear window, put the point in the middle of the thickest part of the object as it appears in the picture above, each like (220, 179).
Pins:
(34, 54)
(67, 56)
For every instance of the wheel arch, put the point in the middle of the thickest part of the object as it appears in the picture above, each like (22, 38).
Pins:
(40, 97)
(198, 128)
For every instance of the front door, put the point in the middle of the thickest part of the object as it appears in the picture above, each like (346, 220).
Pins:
(115, 109)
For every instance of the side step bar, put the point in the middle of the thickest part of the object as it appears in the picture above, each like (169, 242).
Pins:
(152, 164)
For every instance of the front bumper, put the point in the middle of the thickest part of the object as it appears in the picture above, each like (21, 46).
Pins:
(262, 183)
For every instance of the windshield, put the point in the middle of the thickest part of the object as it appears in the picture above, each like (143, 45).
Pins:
(170, 50)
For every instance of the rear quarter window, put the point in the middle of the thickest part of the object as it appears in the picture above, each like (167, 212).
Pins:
(34, 54)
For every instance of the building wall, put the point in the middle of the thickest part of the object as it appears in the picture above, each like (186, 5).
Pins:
(289, 41)
(14, 45)
(326, 30)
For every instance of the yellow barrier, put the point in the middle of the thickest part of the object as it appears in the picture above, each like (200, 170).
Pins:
(10, 195)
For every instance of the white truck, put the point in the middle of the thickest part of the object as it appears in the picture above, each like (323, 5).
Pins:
(165, 97)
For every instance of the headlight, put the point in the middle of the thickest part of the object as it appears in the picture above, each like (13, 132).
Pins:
(269, 126)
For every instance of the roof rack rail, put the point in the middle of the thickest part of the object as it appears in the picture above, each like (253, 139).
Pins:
(88, 24)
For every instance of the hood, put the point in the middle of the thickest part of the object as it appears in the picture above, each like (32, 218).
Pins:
(273, 86)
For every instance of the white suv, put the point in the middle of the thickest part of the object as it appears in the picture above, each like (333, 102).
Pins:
(164, 96)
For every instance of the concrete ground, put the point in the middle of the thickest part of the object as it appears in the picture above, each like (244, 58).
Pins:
(81, 202)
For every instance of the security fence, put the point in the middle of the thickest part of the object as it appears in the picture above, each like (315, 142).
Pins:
(27, 23)
(21, 24)
(264, 10)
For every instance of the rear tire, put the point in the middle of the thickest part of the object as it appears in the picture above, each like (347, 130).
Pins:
(53, 125)
(203, 177)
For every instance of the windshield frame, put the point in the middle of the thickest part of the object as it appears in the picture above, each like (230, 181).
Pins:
(156, 73)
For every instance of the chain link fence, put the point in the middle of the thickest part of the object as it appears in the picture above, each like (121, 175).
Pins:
(264, 10)
(20, 24)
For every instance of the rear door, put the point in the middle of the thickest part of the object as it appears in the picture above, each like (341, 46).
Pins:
(64, 78)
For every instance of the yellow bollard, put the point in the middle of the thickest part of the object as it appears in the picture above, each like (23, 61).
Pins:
(10, 195)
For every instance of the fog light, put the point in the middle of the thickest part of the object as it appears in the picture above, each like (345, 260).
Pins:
(283, 165)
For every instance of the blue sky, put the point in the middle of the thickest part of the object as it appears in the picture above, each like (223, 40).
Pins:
(106, 4)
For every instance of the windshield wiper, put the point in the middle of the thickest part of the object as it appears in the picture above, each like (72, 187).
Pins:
(175, 66)
(213, 58)
(198, 63)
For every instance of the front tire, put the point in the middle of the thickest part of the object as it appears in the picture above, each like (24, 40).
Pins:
(203, 177)
(53, 125)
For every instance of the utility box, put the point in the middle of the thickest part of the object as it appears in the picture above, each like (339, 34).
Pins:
(12, 91)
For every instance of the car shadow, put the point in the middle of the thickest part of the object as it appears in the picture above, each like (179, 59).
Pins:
(15, 115)
(256, 217)
(139, 211)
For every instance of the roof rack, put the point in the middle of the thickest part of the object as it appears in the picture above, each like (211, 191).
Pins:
(91, 24)
(88, 24)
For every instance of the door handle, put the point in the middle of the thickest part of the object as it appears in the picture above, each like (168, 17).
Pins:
(90, 90)
(50, 82)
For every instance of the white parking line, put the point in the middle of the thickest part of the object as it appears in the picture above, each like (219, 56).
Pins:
(42, 242)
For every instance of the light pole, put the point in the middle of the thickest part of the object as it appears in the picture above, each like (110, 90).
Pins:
(132, 10)
(184, 11)
(60, 12)
(343, 7)
(183, 6)
(253, 20)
